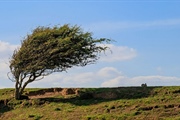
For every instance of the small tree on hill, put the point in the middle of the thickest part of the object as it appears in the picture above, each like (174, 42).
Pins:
(52, 49)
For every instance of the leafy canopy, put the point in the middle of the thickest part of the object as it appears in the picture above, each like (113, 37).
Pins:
(54, 49)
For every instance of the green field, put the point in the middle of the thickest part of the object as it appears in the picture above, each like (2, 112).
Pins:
(123, 103)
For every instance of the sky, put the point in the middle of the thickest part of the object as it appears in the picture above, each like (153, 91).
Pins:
(146, 34)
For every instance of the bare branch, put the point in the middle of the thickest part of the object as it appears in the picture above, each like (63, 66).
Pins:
(13, 80)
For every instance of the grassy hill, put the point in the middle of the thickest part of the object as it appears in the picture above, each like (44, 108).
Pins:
(122, 103)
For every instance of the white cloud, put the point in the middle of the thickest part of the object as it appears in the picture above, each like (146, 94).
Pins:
(118, 53)
(157, 80)
(6, 50)
(137, 81)
(108, 72)
(104, 77)
(121, 25)
(168, 22)
(4, 70)
(118, 81)
(85, 79)
(82, 79)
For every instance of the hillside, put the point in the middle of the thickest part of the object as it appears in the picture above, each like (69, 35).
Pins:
(122, 103)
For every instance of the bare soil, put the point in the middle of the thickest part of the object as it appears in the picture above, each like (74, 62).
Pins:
(52, 92)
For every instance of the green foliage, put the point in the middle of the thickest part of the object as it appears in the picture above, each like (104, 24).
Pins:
(55, 49)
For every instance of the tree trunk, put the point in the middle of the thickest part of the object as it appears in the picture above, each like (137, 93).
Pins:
(17, 94)
(19, 87)
(17, 91)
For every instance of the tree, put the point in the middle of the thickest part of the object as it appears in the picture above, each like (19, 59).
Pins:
(53, 49)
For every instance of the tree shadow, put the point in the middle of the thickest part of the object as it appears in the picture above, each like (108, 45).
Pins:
(4, 107)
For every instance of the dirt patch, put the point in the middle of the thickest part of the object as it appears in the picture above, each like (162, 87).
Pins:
(69, 91)
(54, 92)
(51, 92)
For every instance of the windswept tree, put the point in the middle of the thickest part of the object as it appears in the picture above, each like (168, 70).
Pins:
(53, 49)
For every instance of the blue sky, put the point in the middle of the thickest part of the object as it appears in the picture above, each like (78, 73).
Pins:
(146, 34)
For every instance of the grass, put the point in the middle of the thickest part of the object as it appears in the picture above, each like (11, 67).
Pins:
(132, 103)
(6, 93)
